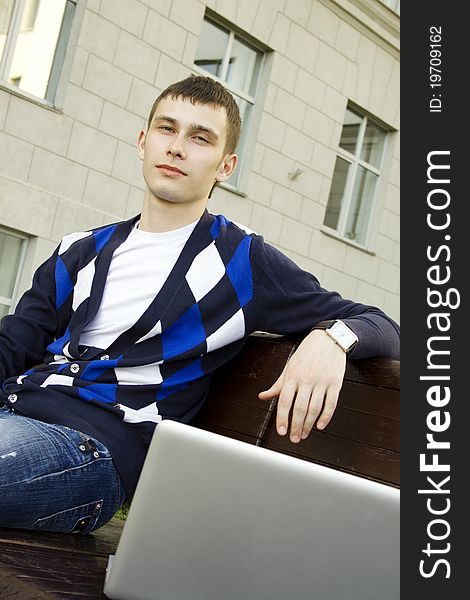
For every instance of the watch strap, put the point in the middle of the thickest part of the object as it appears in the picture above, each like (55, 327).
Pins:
(324, 324)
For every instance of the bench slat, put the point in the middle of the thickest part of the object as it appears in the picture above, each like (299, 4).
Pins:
(46, 566)
(371, 462)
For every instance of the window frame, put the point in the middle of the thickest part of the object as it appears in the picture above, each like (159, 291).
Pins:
(245, 150)
(62, 60)
(355, 161)
(11, 302)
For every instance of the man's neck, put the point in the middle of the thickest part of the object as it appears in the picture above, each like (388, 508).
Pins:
(159, 216)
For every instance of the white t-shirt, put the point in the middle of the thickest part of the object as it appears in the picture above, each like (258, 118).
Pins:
(138, 270)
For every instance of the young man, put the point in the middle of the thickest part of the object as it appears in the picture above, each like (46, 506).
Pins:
(124, 325)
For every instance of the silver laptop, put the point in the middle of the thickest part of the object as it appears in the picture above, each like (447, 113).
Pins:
(218, 519)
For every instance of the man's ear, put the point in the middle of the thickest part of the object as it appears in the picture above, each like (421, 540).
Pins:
(141, 144)
(227, 167)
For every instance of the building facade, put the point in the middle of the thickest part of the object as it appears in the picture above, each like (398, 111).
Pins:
(317, 82)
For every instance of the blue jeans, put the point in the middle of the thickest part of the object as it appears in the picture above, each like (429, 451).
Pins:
(53, 478)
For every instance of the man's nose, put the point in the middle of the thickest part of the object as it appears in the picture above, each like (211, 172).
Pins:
(176, 147)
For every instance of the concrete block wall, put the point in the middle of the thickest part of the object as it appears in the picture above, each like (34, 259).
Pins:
(76, 167)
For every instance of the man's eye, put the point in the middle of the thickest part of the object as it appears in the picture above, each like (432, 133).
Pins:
(199, 138)
(165, 128)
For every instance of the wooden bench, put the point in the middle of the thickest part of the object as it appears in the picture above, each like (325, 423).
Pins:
(362, 438)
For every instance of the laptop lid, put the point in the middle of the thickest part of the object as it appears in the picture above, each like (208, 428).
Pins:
(217, 518)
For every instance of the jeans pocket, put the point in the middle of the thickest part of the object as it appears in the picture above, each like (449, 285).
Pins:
(76, 439)
(80, 519)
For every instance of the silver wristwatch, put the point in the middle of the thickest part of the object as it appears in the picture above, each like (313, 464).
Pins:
(340, 333)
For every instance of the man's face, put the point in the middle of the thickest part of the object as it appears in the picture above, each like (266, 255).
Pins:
(183, 151)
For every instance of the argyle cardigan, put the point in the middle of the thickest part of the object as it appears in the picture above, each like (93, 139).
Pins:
(226, 284)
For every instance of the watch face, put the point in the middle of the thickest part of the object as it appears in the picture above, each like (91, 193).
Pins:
(343, 335)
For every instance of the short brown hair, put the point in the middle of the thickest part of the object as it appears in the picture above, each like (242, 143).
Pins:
(205, 90)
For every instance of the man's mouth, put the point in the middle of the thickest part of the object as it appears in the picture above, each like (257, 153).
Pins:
(170, 170)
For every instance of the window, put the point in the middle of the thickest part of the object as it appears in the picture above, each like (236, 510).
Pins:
(33, 40)
(237, 64)
(12, 249)
(355, 178)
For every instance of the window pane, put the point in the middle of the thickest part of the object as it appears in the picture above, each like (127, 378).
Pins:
(393, 5)
(244, 108)
(338, 186)
(373, 144)
(350, 133)
(10, 255)
(4, 310)
(30, 13)
(6, 7)
(243, 67)
(35, 46)
(211, 48)
(245, 113)
(361, 205)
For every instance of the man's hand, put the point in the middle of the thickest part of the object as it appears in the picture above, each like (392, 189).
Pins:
(311, 379)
